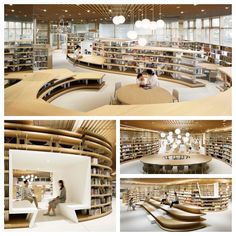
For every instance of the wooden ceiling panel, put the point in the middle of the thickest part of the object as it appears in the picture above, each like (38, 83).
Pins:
(87, 13)
(192, 126)
(170, 181)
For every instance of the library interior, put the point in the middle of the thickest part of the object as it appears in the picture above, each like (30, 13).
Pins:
(176, 147)
(176, 204)
(113, 59)
(73, 161)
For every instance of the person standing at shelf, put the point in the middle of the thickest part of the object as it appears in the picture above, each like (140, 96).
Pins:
(141, 80)
(131, 204)
(152, 78)
(77, 54)
(27, 194)
(164, 200)
(59, 199)
(176, 200)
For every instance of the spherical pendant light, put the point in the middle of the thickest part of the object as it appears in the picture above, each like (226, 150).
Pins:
(142, 42)
(178, 142)
(160, 24)
(179, 136)
(145, 23)
(132, 34)
(187, 134)
(121, 19)
(170, 133)
(153, 25)
(177, 131)
(116, 20)
(138, 24)
(174, 145)
(163, 135)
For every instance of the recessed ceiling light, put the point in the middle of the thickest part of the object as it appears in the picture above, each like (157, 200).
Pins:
(12, 10)
(65, 10)
(88, 11)
(226, 8)
(181, 12)
(178, 7)
(110, 10)
(25, 15)
(202, 10)
(44, 10)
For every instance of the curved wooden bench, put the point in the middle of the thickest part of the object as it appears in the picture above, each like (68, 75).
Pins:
(187, 208)
(171, 224)
(178, 214)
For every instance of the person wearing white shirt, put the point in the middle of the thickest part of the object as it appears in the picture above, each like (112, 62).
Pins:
(77, 54)
(26, 194)
(152, 78)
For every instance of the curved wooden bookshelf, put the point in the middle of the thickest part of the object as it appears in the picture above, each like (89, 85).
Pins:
(30, 137)
(21, 100)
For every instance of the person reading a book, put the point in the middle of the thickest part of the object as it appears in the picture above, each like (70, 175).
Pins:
(152, 78)
(176, 200)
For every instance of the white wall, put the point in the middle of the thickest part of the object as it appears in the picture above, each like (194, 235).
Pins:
(75, 170)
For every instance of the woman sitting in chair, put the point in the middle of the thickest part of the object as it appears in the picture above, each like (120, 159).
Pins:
(59, 199)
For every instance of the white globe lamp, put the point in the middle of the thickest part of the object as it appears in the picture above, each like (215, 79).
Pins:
(174, 145)
(178, 142)
(153, 25)
(116, 20)
(187, 134)
(163, 135)
(121, 19)
(138, 24)
(179, 136)
(160, 24)
(170, 133)
(142, 42)
(132, 34)
(177, 131)
(145, 23)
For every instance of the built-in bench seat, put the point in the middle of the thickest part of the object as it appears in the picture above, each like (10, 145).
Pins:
(170, 224)
(177, 213)
(24, 207)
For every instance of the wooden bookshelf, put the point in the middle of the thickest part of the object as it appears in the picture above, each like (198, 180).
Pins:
(34, 138)
(18, 56)
(42, 33)
(25, 56)
(74, 39)
(42, 57)
(136, 144)
(127, 56)
(197, 194)
(219, 145)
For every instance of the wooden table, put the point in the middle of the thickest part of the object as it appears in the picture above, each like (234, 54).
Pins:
(158, 159)
(133, 94)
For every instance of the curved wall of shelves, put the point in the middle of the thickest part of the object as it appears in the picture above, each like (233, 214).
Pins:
(29, 137)
(136, 144)
(219, 146)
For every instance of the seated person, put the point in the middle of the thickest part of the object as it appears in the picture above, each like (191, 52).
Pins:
(141, 80)
(77, 54)
(59, 199)
(152, 78)
(176, 201)
(147, 198)
(27, 194)
(131, 204)
(164, 200)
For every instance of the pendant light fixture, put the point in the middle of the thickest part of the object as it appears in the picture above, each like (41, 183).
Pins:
(132, 34)
(118, 20)
(160, 22)
(153, 24)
